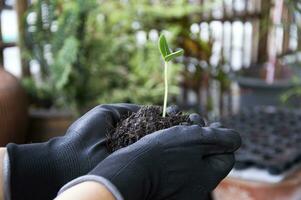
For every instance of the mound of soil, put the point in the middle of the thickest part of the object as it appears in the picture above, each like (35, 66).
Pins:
(147, 120)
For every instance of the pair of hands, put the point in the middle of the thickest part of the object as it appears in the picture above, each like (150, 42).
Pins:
(182, 162)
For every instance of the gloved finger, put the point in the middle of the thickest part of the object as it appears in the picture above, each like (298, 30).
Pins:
(218, 167)
(216, 125)
(103, 115)
(219, 140)
(121, 109)
(210, 140)
(173, 110)
(197, 119)
(194, 117)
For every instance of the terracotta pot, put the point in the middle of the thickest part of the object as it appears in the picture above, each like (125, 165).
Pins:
(236, 189)
(13, 109)
(48, 123)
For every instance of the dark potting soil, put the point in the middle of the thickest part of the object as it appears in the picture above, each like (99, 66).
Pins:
(271, 138)
(147, 120)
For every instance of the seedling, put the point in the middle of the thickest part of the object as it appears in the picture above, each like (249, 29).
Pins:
(167, 56)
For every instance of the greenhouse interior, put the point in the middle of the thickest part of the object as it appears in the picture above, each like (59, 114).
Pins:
(188, 99)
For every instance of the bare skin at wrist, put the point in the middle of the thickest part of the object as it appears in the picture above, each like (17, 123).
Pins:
(86, 191)
(2, 154)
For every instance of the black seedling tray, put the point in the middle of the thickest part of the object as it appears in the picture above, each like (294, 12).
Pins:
(271, 138)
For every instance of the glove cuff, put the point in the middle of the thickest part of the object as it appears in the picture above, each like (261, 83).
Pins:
(103, 181)
(6, 177)
(35, 166)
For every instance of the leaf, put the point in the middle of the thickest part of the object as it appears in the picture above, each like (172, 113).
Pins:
(64, 62)
(173, 55)
(163, 46)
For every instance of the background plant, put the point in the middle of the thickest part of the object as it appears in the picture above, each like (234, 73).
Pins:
(92, 52)
(292, 97)
(88, 54)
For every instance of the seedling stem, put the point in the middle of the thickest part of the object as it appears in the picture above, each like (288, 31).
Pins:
(167, 56)
(166, 87)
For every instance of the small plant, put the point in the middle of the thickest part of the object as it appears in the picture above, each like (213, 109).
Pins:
(167, 56)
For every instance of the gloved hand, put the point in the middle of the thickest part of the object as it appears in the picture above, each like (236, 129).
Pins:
(182, 162)
(38, 171)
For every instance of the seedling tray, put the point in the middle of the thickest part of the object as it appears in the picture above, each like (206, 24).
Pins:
(271, 138)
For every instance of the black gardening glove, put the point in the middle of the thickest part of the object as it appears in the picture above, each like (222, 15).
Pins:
(182, 162)
(38, 171)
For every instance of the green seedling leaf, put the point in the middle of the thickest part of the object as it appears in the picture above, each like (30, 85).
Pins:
(173, 55)
(163, 46)
(167, 56)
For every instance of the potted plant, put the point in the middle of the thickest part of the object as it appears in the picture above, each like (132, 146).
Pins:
(45, 121)
(52, 91)
(264, 83)
(256, 90)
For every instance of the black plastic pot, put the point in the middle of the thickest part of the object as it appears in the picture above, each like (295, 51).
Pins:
(45, 124)
(257, 92)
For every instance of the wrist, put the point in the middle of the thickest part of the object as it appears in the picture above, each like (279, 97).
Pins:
(109, 187)
(88, 190)
(3, 174)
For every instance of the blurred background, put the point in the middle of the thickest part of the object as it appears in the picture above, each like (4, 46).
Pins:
(59, 58)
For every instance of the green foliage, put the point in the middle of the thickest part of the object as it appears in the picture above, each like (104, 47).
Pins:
(293, 93)
(143, 79)
(43, 91)
(174, 55)
(163, 46)
(55, 41)
(166, 54)
(88, 52)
